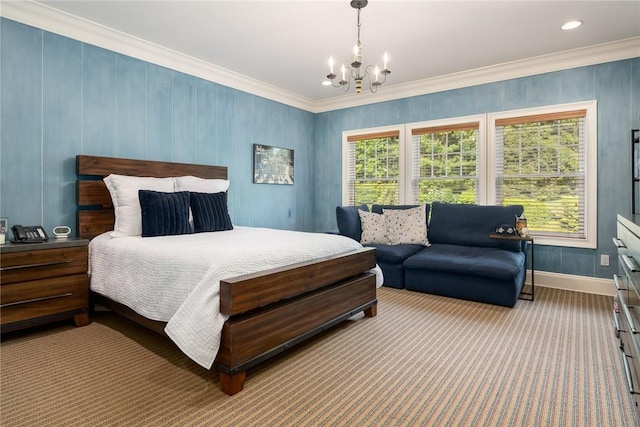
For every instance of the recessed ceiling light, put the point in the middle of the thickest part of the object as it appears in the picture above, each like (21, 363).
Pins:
(570, 25)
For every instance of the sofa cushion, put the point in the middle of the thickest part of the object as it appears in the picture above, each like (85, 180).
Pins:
(395, 254)
(468, 260)
(471, 225)
(374, 229)
(408, 226)
(349, 221)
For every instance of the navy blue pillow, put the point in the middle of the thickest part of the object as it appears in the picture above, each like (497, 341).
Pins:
(164, 214)
(349, 221)
(210, 212)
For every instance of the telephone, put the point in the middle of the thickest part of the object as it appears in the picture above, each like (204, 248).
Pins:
(29, 234)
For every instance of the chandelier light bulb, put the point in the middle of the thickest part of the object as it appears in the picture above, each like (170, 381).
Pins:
(386, 60)
(344, 72)
(331, 64)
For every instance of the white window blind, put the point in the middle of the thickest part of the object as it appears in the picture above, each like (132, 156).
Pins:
(541, 164)
(444, 163)
(373, 168)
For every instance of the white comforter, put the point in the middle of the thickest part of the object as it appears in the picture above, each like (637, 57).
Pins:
(176, 279)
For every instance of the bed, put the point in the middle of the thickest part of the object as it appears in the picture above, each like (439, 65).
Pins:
(265, 312)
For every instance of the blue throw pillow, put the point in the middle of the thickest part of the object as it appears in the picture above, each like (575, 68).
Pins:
(349, 221)
(163, 213)
(210, 212)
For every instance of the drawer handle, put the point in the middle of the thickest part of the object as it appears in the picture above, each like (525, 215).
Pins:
(631, 264)
(616, 323)
(42, 264)
(618, 243)
(627, 314)
(627, 373)
(616, 280)
(28, 301)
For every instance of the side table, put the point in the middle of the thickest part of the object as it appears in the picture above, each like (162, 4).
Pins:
(43, 282)
(528, 296)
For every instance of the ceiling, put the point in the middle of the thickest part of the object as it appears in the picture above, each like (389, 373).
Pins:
(287, 44)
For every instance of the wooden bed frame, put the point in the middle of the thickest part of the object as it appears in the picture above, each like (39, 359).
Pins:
(268, 311)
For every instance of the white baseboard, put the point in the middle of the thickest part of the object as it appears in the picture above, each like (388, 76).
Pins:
(590, 285)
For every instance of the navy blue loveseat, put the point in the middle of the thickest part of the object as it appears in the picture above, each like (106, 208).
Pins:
(462, 261)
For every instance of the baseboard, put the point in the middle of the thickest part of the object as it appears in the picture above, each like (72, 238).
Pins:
(589, 285)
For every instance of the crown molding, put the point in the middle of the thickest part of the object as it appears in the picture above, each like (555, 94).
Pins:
(53, 20)
(591, 55)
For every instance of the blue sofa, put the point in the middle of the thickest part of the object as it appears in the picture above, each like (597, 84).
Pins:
(462, 261)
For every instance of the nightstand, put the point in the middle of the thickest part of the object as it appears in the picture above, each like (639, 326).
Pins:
(43, 282)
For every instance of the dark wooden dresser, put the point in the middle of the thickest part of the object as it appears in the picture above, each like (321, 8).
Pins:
(43, 282)
(626, 306)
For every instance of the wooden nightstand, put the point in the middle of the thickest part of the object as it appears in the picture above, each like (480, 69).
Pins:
(43, 282)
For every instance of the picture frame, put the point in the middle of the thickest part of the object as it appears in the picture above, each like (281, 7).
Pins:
(272, 165)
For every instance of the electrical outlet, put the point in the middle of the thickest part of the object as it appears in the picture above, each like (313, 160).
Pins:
(604, 260)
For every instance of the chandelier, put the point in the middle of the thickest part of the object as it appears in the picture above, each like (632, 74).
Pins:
(356, 71)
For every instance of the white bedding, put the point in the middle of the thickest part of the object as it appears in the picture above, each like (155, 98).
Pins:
(176, 279)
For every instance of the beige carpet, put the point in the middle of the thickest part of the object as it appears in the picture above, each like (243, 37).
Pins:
(423, 361)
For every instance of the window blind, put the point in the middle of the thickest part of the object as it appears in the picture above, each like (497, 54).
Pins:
(444, 163)
(373, 168)
(541, 164)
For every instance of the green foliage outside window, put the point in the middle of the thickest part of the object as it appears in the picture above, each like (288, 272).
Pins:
(447, 167)
(542, 172)
(377, 171)
(540, 166)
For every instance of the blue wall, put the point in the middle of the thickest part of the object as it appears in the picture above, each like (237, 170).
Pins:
(616, 87)
(61, 97)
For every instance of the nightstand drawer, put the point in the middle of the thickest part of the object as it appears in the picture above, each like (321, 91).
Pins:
(33, 265)
(26, 300)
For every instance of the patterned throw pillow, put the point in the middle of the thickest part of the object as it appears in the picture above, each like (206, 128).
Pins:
(407, 226)
(374, 229)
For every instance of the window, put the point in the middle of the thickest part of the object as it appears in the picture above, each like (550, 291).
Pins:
(545, 160)
(445, 161)
(542, 158)
(373, 167)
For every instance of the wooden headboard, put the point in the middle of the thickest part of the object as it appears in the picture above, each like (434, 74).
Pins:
(94, 207)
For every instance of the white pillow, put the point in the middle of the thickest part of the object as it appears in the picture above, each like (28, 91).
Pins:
(200, 185)
(126, 205)
(373, 226)
(407, 225)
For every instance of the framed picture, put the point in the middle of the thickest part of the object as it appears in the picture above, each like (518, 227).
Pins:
(272, 165)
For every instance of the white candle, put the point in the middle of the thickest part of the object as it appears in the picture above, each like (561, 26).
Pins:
(377, 72)
(344, 71)
(386, 59)
(331, 64)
